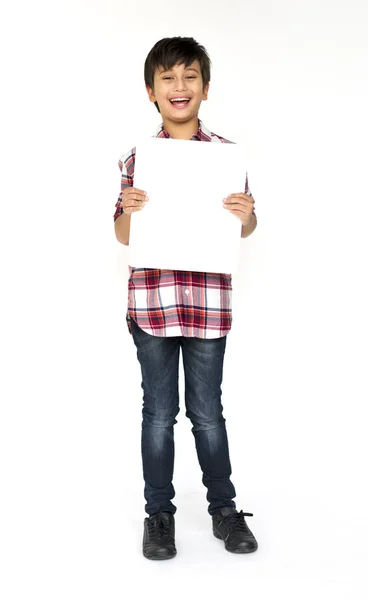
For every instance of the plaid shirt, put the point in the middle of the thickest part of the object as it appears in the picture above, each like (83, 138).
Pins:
(169, 303)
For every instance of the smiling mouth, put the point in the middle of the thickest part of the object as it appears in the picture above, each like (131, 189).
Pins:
(180, 102)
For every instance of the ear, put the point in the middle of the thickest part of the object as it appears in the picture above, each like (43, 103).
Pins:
(205, 92)
(151, 94)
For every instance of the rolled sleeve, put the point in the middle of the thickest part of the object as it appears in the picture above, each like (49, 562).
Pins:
(247, 191)
(126, 166)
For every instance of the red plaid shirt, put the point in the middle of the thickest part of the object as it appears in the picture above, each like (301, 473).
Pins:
(169, 303)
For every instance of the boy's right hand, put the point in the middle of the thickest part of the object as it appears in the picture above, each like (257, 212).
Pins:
(133, 200)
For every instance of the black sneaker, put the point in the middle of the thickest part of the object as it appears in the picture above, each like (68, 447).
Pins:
(229, 525)
(159, 536)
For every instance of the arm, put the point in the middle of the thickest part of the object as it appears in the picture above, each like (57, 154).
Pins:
(249, 227)
(132, 200)
(242, 205)
(122, 229)
(121, 217)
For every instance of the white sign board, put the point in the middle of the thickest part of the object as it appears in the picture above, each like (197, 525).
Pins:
(184, 225)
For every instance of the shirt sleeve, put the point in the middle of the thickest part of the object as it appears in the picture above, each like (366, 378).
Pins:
(247, 191)
(126, 165)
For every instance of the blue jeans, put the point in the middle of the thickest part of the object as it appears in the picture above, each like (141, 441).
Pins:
(203, 365)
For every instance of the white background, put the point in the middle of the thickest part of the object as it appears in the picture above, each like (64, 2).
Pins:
(289, 80)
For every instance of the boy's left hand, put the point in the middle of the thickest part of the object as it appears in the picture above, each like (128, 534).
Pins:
(240, 205)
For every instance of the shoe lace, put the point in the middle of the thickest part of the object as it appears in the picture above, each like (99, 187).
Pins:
(159, 527)
(235, 521)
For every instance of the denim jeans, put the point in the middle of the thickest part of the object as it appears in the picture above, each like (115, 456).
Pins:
(203, 365)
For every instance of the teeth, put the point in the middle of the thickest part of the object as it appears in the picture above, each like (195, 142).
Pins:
(179, 99)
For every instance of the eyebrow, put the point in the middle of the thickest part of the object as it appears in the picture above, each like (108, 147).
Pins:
(186, 69)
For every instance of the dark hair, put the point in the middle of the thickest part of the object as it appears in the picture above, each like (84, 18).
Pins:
(169, 52)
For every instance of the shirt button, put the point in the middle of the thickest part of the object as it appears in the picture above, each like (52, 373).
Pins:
(187, 292)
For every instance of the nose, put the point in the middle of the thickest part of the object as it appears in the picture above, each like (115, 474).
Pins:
(180, 84)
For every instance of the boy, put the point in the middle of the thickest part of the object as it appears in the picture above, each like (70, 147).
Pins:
(177, 75)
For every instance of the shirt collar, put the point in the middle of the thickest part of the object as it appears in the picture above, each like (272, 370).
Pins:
(203, 134)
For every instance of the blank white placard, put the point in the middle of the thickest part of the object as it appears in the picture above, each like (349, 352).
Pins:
(184, 226)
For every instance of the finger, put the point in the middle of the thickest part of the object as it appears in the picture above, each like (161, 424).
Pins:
(131, 188)
(133, 199)
(245, 200)
(132, 209)
(133, 202)
(244, 207)
(238, 200)
(132, 191)
(242, 201)
(239, 212)
(239, 195)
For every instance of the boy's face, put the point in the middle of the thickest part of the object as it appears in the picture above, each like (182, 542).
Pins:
(179, 82)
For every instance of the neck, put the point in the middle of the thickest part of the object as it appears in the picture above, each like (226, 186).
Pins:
(181, 131)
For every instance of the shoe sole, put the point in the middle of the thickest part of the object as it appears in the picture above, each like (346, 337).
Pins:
(159, 557)
(239, 550)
